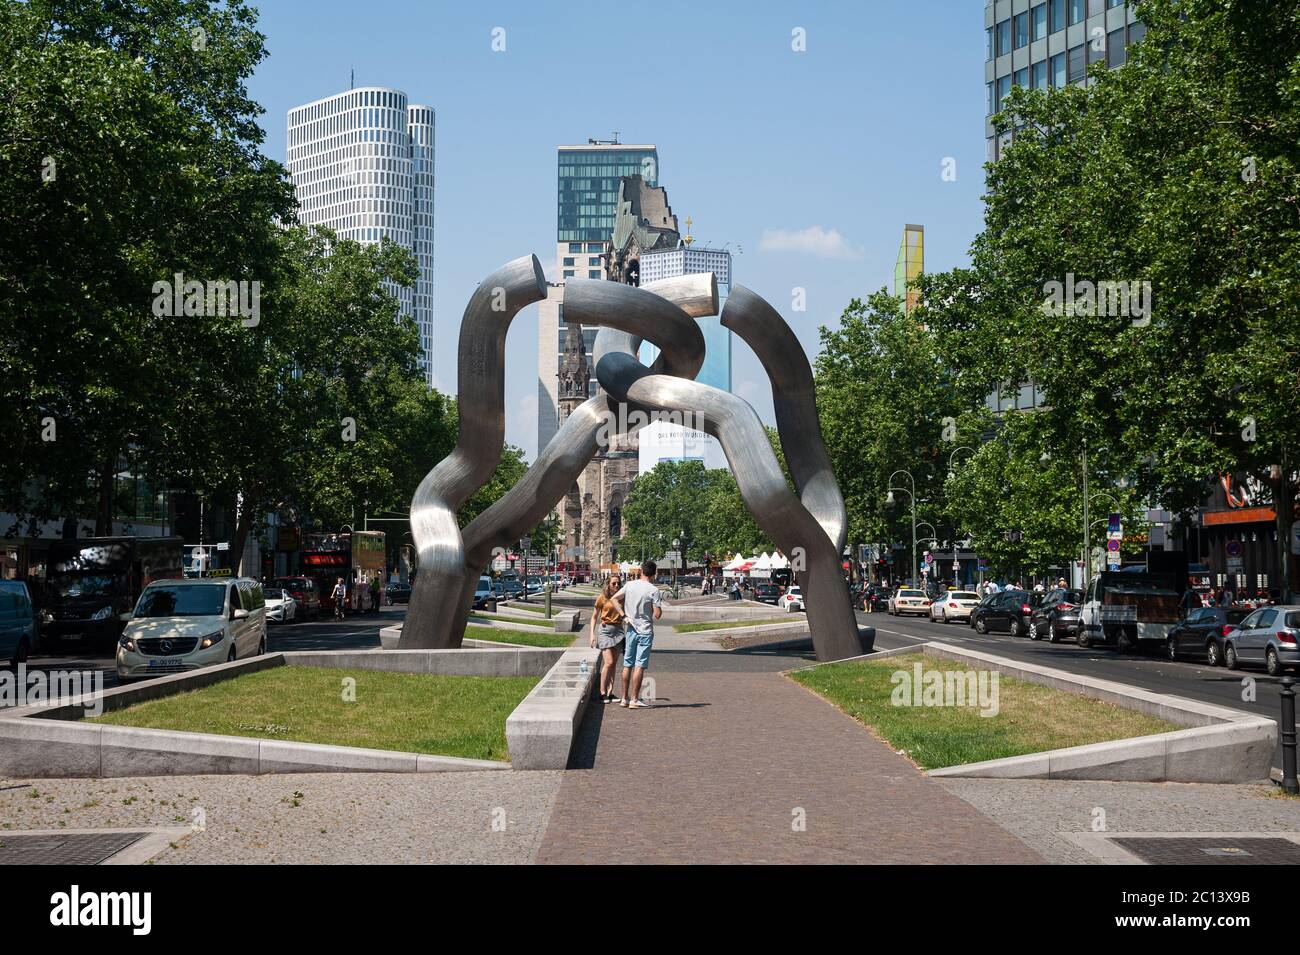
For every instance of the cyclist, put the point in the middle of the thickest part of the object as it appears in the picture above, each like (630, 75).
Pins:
(340, 595)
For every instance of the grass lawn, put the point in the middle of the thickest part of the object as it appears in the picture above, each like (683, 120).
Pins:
(727, 625)
(1030, 718)
(479, 615)
(411, 712)
(539, 639)
(526, 607)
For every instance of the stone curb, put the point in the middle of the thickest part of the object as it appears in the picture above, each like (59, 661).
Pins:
(541, 730)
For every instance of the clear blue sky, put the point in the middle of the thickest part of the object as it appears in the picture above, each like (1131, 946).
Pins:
(754, 139)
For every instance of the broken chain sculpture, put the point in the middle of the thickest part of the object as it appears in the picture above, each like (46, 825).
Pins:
(809, 527)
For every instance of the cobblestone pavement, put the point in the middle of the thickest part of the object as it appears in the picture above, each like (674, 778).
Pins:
(732, 759)
(307, 818)
(1040, 810)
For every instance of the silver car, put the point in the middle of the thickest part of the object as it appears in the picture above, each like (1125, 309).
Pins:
(1269, 637)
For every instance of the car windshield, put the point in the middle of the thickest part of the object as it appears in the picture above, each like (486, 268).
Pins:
(202, 601)
(273, 593)
(84, 585)
(1139, 585)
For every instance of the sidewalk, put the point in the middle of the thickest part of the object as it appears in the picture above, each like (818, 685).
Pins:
(728, 761)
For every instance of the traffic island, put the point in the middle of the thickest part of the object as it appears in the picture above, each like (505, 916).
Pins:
(252, 737)
(942, 707)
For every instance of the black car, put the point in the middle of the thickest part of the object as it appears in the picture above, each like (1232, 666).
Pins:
(1200, 633)
(767, 593)
(875, 598)
(1057, 615)
(398, 593)
(1008, 610)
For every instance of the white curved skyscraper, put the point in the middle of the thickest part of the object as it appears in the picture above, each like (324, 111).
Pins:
(362, 164)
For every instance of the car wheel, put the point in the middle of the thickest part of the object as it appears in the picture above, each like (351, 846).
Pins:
(1013, 627)
(1053, 636)
(1230, 657)
(1034, 632)
(230, 657)
(1271, 663)
(1084, 639)
(1123, 642)
(1171, 649)
(261, 646)
(981, 626)
(1212, 656)
(20, 653)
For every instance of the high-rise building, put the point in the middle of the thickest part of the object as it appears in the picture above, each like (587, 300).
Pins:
(909, 265)
(1048, 45)
(587, 192)
(362, 164)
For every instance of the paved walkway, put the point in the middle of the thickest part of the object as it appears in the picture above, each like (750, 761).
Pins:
(732, 758)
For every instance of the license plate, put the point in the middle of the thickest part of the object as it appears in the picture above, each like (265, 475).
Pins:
(164, 664)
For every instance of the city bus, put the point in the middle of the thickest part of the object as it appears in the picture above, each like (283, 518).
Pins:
(356, 556)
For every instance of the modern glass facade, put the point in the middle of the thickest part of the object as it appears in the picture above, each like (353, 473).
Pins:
(587, 190)
(362, 164)
(1049, 44)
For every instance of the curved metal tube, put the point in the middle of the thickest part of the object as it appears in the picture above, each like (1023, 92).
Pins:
(481, 405)
(664, 315)
(762, 484)
(794, 398)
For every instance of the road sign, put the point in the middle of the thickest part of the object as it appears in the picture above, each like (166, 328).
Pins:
(1112, 545)
(956, 565)
(1236, 565)
(1115, 525)
(1233, 548)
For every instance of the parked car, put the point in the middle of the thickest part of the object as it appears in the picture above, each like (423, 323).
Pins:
(1201, 633)
(397, 593)
(1057, 615)
(483, 592)
(792, 600)
(909, 601)
(954, 605)
(304, 592)
(1268, 637)
(767, 593)
(17, 622)
(512, 586)
(189, 624)
(280, 605)
(1007, 610)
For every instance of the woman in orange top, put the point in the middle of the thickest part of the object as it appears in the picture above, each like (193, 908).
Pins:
(607, 635)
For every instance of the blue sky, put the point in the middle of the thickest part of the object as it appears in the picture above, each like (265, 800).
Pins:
(810, 162)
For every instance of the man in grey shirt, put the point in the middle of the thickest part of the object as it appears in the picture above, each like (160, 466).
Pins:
(639, 602)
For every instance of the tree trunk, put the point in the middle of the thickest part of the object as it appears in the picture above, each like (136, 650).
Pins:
(243, 527)
(1284, 507)
(104, 504)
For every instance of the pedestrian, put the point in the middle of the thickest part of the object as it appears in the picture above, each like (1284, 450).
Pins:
(639, 602)
(374, 592)
(340, 596)
(1062, 584)
(607, 636)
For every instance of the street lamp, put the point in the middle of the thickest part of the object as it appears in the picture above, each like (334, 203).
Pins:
(911, 495)
(953, 453)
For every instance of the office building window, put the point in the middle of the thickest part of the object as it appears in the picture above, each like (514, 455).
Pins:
(1022, 77)
(568, 273)
(1039, 69)
(993, 103)
(1039, 17)
(1078, 11)
(593, 273)
(1058, 71)
(1056, 18)
(1022, 29)
(1094, 54)
(1096, 7)
(1136, 31)
(1079, 63)
(1114, 3)
(1115, 52)
(988, 49)
(991, 149)
(575, 246)
(1004, 37)
(568, 260)
(595, 247)
(1004, 87)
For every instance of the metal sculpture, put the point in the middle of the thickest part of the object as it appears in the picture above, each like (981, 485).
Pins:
(809, 527)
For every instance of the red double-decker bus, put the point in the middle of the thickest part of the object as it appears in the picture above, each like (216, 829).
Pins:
(355, 556)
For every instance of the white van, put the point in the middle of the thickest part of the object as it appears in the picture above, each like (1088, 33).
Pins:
(188, 624)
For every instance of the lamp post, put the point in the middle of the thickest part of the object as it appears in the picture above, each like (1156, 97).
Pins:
(911, 496)
(953, 453)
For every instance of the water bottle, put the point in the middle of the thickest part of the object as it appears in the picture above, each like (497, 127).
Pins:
(583, 669)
